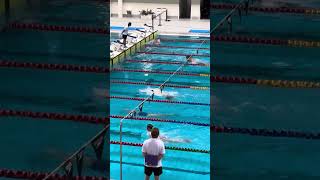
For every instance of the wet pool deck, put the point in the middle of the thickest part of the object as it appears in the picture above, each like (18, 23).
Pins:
(174, 26)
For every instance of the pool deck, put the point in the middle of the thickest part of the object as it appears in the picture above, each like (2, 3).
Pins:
(174, 26)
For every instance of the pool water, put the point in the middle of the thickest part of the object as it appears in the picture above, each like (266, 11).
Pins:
(42, 144)
(176, 164)
(278, 3)
(251, 106)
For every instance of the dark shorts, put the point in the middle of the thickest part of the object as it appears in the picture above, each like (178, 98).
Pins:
(124, 36)
(149, 170)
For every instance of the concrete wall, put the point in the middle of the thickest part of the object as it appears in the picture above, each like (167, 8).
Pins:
(137, 5)
(1, 7)
(195, 9)
(15, 7)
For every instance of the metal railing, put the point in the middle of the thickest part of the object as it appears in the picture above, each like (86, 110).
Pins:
(97, 143)
(153, 17)
(242, 5)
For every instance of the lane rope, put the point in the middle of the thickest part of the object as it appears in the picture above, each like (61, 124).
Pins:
(160, 72)
(222, 79)
(166, 147)
(266, 132)
(139, 118)
(272, 83)
(46, 27)
(20, 174)
(300, 10)
(216, 129)
(158, 100)
(56, 67)
(167, 85)
(255, 40)
(79, 68)
(84, 118)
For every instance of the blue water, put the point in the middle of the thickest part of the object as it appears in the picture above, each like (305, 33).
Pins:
(251, 106)
(42, 144)
(176, 164)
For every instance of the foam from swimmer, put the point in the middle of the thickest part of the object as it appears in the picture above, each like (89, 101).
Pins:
(157, 92)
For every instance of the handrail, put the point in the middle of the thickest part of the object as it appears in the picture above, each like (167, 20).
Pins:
(229, 14)
(78, 151)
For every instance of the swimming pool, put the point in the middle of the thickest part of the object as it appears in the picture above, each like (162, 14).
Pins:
(252, 106)
(41, 144)
(177, 164)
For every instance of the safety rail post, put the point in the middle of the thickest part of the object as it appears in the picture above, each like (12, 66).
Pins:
(152, 19)
(160, 19)
(166, 14)
(7, 11)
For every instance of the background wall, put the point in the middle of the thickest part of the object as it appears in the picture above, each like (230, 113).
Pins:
(137, 5)
(195, 9)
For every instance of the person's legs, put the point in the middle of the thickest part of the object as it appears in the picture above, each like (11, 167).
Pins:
(157, 172)
(147, 172)
(125, 41)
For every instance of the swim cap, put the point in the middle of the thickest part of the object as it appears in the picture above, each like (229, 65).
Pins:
(149, 126)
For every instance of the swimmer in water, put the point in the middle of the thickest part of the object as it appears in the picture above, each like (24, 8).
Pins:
(169, 97)
(157, 42)
(157, 92)
(166, 138)
(153, 115)
(191, 60)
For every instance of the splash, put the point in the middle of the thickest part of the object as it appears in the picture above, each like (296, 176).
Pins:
(157, 92)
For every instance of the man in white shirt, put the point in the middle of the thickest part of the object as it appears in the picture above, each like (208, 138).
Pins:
(153, 151)
(125, 33)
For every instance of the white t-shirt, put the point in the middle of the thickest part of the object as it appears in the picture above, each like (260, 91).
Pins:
(154, 146)
(125, 31)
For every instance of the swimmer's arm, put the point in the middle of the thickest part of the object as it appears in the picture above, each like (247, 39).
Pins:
(163, 138)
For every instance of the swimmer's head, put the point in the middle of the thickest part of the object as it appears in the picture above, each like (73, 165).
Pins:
(188, 57)
(169, 97)
(129, 24)
(149, 127)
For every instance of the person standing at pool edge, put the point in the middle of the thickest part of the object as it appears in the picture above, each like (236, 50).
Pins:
(153, 151)
(125, 33)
